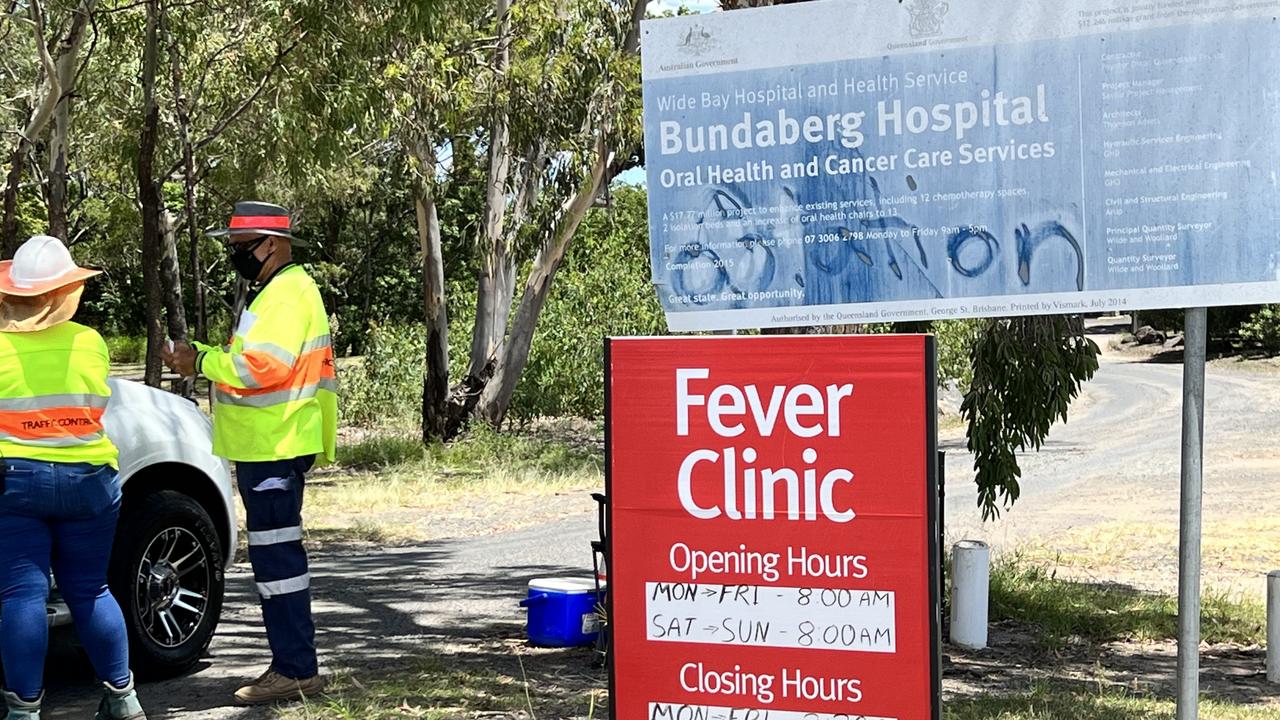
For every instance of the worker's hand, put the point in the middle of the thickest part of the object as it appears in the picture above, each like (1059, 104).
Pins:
(181, 359)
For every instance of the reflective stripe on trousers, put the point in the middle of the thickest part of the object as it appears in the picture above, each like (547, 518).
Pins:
(272, 493)
(267, 538)
(273, 537)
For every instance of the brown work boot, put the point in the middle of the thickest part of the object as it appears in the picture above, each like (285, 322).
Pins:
(273, 687)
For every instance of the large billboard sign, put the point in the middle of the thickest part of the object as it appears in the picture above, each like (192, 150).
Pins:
(773, 538)
(851, 161)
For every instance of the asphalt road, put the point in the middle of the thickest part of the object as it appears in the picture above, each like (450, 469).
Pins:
(1116, 458)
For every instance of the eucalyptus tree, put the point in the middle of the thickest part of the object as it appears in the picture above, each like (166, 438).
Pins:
(183, 77)
(39, 82)
(543, 98)
(557, 114)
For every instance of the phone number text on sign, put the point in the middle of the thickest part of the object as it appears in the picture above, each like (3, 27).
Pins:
(765, 616)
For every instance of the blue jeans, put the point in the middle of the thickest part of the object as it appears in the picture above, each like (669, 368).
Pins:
(60, 516)
(272, 495)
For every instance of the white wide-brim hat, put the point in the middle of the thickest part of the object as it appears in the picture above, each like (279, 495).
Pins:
(43, 264)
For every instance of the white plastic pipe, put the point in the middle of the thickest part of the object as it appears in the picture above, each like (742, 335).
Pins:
(970, 585)
(1273, 627)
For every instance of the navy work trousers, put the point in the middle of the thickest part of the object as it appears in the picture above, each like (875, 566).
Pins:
(272, 496)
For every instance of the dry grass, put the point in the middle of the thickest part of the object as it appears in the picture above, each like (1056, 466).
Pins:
(1237, 553)
(498, 680)
(1086, 702)
(1064, 611)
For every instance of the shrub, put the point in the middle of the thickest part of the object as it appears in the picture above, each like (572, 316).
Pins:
(126, 349)
(383, 389)
(1264, 327)
(604, 289)
(1224, 322)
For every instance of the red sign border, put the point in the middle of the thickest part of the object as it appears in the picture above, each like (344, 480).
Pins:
(932, 529)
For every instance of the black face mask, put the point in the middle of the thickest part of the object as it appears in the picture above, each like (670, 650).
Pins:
(244, 261)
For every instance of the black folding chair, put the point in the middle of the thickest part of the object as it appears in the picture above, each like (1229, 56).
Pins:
(600, 563)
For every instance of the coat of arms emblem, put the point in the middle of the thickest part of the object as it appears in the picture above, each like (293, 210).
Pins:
(697, 41)
(926, 17)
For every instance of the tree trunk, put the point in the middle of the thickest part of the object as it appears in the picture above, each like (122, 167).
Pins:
(496, 398)
(149, 199)
(171, 277)
(40, 117)
(9, 226)
(193, 251)
(182, 112)
(496, 283)
(435, 386)
(59, 141)
(57, 193)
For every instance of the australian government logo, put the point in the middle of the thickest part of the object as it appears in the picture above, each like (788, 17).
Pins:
(697, 43)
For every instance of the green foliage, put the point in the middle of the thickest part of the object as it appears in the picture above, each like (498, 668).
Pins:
(126, 349)
(1063, 611)
(485, 448)
(32, 218)
(381, 451)
(554, 449)
(383, 389)
(955, 340)
(1263, 327)
(1026, 372)
(602, 290)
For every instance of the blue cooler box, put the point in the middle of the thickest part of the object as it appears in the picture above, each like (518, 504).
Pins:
(562, 612)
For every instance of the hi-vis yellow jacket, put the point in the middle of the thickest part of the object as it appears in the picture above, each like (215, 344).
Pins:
(275, 388)
(53, 393)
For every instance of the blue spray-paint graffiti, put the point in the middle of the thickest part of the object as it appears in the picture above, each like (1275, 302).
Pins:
(735, 255)
(1101, 191)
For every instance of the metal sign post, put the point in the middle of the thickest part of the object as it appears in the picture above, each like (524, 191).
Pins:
(1195, 342)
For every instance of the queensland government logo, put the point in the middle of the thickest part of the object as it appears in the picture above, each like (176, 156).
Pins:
(697, 41)
(926, 17)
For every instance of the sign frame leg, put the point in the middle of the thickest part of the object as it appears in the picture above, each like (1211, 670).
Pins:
(1192, 494)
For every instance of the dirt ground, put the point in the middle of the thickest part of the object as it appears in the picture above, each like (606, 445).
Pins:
(1015, 661)
(1101, 498)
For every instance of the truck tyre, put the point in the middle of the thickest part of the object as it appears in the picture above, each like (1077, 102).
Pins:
(166, 572)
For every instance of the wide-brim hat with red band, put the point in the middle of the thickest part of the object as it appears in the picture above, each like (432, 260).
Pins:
(258, 218)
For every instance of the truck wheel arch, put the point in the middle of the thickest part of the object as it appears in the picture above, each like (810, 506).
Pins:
(191, 481)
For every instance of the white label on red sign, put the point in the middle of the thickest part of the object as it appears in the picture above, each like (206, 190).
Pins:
(667, 711)
(764, 616)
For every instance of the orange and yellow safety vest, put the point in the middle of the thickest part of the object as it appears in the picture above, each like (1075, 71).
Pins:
(53, 394)
(275, 385)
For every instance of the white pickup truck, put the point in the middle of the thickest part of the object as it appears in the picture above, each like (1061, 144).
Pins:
(177, 531)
